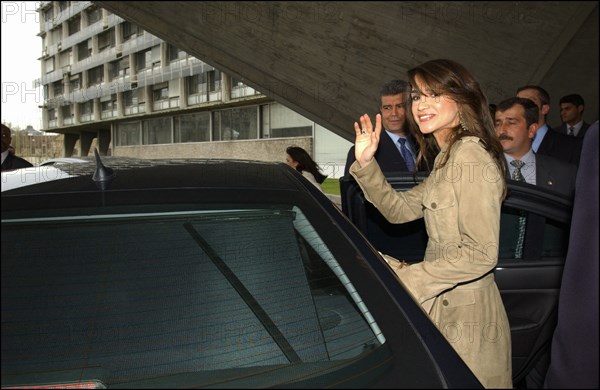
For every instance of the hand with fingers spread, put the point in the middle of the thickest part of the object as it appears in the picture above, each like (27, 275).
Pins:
(367, 138)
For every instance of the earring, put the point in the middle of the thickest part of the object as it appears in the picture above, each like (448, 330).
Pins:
(462, 123)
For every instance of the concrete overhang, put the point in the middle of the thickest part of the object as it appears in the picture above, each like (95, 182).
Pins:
(327, 60)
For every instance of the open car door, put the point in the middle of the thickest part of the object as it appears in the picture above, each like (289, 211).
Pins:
(529, 286)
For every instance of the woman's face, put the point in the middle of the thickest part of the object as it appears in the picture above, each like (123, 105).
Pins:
(290, 161)
(434, 114)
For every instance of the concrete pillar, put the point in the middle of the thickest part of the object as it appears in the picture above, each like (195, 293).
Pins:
(183, 93)
(94, 44)
(45, 118)
(60, 117)
(148, 98)
(225, 87)
(75, 109)
(69, 144)
(120, 105)
(164, 54)
(97, 109)
(86, 142)
(103, 141)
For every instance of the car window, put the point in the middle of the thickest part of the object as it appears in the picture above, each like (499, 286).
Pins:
(543, 237)
(251, 296)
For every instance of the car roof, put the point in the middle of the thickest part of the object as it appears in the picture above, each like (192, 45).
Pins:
(139, 174)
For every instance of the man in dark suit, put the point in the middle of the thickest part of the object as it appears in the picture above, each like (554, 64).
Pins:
(547, 141)
(9, 160)
(516, 125)
(574, 362)
(390, 154)
(571, 113)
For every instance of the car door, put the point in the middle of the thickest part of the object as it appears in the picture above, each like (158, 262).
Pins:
(529, 284)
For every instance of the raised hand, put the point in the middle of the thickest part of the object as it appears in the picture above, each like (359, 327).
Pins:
(367, 138)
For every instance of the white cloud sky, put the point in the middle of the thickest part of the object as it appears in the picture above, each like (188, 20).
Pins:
(21, 48)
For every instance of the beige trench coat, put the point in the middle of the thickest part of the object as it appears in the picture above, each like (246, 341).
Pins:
(455, 284)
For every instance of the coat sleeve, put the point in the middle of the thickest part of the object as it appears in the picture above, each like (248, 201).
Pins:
(396, 207)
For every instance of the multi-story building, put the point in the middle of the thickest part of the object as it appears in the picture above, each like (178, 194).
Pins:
(110, 84)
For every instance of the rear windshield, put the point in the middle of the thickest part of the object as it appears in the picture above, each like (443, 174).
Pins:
(252, 297)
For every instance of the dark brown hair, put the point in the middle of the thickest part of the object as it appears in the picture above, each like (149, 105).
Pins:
(305, 162)
(451, 79)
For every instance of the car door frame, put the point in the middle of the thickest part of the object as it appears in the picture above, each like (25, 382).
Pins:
(529, 286)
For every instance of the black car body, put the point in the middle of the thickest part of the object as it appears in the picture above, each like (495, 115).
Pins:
(204, 274)
(529, 285)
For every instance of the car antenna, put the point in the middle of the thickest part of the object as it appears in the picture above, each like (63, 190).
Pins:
(103, 175)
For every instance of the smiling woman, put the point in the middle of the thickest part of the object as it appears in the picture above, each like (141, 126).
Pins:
(460, 203)
(21, 50)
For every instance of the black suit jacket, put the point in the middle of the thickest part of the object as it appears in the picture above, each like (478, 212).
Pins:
(387, 155)
(14, 162)
(561, 146)
(563, 129)
(555, 175)
(574, 362)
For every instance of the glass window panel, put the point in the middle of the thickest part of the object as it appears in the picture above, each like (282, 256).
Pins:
(193, 128)
(157, 131)
(236, 124)
(128, 133)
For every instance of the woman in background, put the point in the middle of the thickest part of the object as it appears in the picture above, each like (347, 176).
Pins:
(300, 160)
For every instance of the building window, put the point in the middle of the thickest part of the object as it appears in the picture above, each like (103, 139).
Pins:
(111, 104)
(196, 84)
(213, 80)
(172, 52)
(66, 111)
(160, 92)
(192, 128)
(75, 82)
(235, 124)
(94, 14)
(62, 5)
(84, 50)
(74, 24)
(287, 123)
(124, 66)
(131, 30)
(96, 75)
(106, 39)
(157, 131)
(128, 133)
(132, 97)
(86, 107)
(58, 88)
(49, 63)
(143, 59)
(113, 70)
(48, 14)
(51, 114)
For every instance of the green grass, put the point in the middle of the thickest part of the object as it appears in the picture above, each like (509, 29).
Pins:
(331, 186)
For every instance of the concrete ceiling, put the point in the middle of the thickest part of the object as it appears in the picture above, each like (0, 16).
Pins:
(327, 60)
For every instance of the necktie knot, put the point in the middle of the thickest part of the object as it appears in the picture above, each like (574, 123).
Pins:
(571, 130)
(408, 158)
(517, 174)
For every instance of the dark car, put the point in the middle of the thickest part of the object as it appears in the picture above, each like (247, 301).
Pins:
(529, 285)
(208, 273)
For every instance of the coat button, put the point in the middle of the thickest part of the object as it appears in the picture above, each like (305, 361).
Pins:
(433, 205)
(445, 302)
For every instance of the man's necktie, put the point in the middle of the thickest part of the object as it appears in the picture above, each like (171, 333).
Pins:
(571, 130)
(408, 158)
(517, 175)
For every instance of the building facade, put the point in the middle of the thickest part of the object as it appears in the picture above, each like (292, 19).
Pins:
(109, 84)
